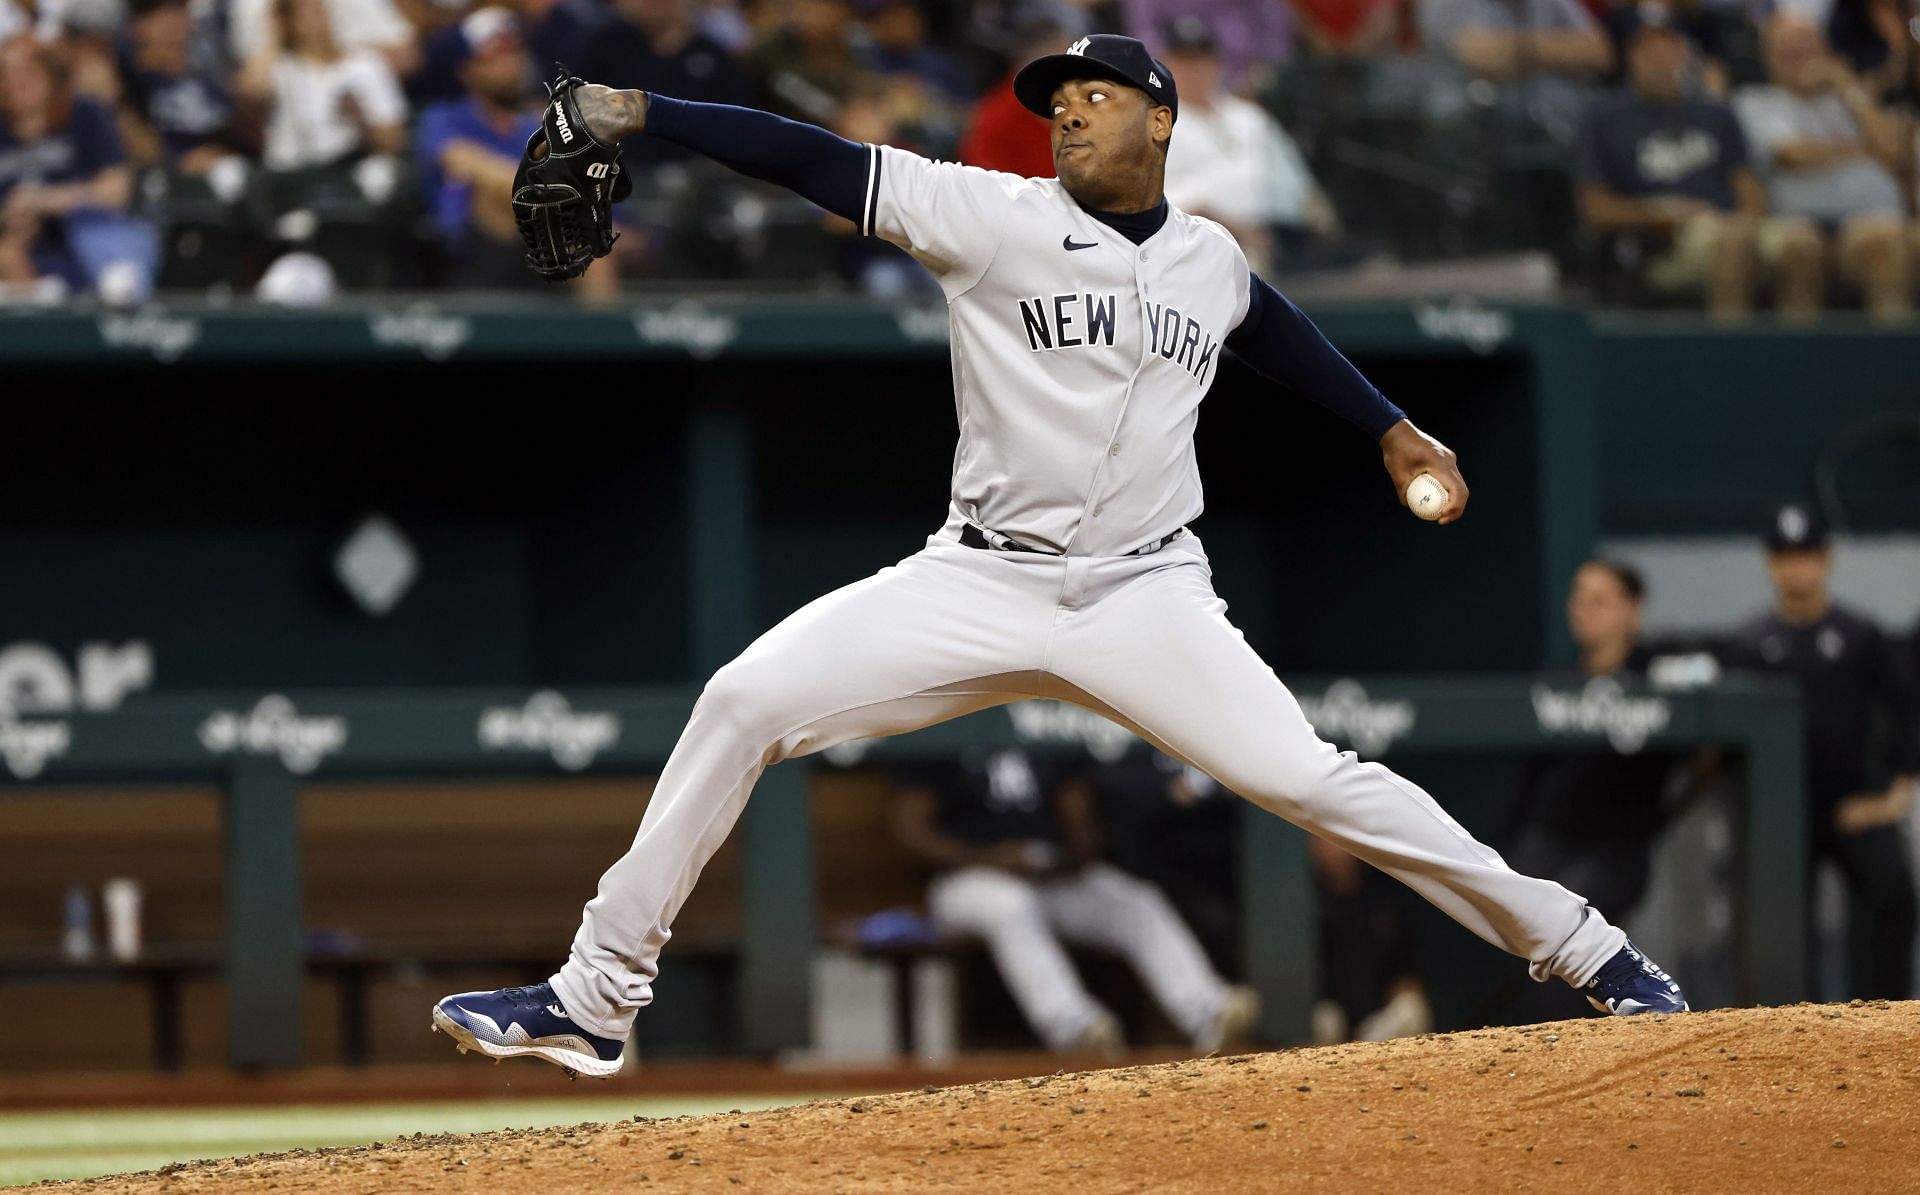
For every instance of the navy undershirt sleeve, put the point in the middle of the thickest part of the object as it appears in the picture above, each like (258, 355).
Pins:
(1280, 342)
(815, 164)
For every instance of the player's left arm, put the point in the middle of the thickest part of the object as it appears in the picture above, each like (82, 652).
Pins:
(1280, 342)
(821, 167)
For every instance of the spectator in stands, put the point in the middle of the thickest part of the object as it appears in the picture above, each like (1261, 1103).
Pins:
(657, 45)
(179, 107)
(1554, 47)
(728, 24)
(873, 266)
(1254, 36)
(1174, 826)
(80, 32)
(325, 103)
(806, 67)
(1004, 135)
(1370, 987)
(896, 45)
(1827, 152)
(1015, 848)
(552, 30)
(468, 152)
(1663, 183)
(1506, 39)
(1862, 742)
(375, 25)
(1233, 163)
(1879, 40)
(16, 20)
(1352, 28)
(65, 185)
(1708, 29)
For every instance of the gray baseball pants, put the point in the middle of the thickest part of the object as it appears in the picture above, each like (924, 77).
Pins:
(1142, 640)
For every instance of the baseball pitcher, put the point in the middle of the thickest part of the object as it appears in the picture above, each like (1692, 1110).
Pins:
(1088, 318)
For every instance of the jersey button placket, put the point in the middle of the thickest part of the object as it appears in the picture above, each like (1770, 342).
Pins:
(1113, 449)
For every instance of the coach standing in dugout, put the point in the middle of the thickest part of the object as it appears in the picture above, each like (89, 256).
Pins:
(1589, 818)
(1862, 744)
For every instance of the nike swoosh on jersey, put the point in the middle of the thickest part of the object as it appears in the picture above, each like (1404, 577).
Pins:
(1067, 243)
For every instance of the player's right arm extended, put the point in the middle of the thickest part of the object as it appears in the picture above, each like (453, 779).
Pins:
(831, 171)
(1281, 343)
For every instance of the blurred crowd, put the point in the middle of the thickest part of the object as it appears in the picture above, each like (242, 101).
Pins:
(1731, 153)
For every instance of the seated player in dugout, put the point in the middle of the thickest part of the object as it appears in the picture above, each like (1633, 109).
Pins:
(1862, 739)
(1087, 319)
(1370, 986)
(1015, 848)
(1176, 827)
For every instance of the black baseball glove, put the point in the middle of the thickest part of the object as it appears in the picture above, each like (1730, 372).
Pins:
(565, 189)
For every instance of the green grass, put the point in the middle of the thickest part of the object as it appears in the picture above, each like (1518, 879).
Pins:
(85, 1143)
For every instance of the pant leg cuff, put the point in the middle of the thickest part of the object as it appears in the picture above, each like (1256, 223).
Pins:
(1585, 951)
(595, 1016)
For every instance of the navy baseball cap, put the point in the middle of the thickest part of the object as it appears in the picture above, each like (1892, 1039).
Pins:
(1100, 56)
(1796, 528)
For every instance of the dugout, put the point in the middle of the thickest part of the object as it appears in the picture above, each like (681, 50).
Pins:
(728, 460)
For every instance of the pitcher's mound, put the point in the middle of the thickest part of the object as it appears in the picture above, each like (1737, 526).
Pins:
(1809, 1098)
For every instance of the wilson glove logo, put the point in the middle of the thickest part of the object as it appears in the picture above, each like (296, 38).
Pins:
(560, 122)
(597, 170)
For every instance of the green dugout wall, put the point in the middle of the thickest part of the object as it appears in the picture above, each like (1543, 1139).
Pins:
(189, 472)
(586, 541)
(260, 748)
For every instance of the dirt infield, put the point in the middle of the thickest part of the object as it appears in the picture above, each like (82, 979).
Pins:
(1822, 1098)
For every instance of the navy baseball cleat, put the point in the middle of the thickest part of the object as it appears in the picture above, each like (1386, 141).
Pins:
(530, 1022)
(1630, 983)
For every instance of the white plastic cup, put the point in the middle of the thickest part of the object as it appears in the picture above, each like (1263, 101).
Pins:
(120, 898)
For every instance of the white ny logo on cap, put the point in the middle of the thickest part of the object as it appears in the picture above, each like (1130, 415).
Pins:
(1079, 47)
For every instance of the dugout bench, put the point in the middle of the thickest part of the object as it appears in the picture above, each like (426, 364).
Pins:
(261, 749)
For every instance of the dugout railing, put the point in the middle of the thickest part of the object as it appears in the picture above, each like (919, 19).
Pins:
(261, 749)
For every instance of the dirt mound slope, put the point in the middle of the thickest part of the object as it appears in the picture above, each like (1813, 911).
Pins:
(1808, 1098)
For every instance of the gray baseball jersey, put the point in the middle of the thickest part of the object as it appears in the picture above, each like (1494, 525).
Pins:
(1079, 363)
(1079, 358)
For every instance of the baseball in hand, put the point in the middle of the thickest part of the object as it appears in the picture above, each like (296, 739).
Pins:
(1426, 497)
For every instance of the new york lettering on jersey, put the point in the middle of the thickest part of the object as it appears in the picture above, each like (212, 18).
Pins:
(1068, 321)
(1080, 321)
(1081, 439)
